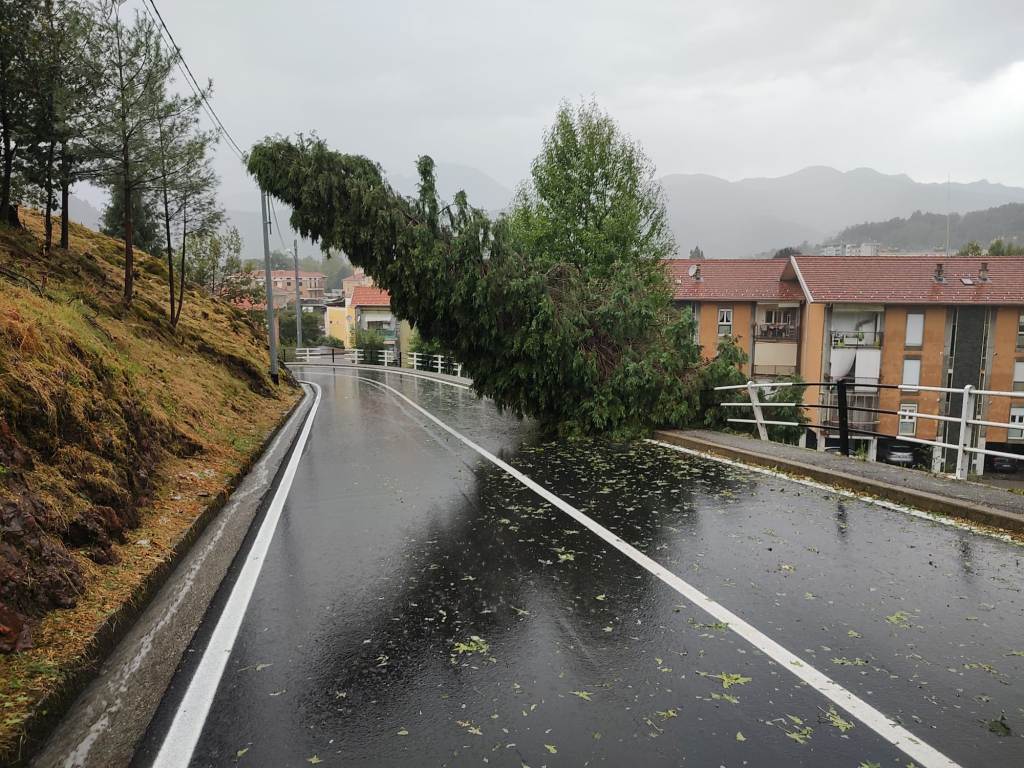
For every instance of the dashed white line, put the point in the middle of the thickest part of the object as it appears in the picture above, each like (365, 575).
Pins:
(924, 754)
(183, 735)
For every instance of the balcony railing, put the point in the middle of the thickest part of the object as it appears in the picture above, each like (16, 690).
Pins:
(857, 339)
(777, 332)
(774, 370)
(861, 407)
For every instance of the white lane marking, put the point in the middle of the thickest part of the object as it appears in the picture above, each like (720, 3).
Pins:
(952, 522)
(380, 369)
(187, 726)
(887, 728)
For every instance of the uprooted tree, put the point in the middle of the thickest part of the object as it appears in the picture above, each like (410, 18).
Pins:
(559, 310)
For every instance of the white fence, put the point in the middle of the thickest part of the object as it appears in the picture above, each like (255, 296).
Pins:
(387, 357)
(968, 420)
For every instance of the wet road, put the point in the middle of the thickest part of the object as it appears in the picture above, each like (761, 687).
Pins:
(420, 606)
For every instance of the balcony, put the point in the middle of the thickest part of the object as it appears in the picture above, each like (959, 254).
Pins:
(858, 419)
(773, 371)
(777, 332)
(856, 339)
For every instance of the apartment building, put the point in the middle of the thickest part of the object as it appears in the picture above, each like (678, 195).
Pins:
(311, 284)
(870, 320)
(748, 300)
(916, 321)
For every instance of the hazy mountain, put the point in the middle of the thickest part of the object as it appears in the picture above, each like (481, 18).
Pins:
(741, 218)
(483, 191)
(927, 231)
(83, 212)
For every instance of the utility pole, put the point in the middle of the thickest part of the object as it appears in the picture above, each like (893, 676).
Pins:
(298, 297)
(268, 284)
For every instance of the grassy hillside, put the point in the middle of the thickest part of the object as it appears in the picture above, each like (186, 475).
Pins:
(115, 434)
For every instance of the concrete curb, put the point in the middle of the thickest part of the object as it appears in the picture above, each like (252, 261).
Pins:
(91, 721)
(910, 497)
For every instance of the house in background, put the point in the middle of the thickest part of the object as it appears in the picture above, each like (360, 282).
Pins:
(368, 308)
(357, 279)
(747, 300)
(311, 284)
(916, 321)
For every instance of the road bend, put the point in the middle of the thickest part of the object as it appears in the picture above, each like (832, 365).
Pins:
(444, 586)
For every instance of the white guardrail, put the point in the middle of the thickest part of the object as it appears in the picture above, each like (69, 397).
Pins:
(387, 357)
(968, 420)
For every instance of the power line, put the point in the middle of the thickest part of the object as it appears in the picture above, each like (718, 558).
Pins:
(192, 81)
(280, 237)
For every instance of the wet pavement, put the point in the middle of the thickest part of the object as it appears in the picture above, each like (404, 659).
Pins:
(419, 606)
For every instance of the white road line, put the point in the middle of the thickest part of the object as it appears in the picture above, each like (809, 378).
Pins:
(925, 755)
(187, 726)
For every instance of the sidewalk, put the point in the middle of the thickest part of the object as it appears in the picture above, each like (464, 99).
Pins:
(958, 498)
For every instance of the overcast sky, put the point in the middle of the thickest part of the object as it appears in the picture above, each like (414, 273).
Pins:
(730, 88)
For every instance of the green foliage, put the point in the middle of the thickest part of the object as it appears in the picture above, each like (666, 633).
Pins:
(1000, 248)
(560, 311)
(311, 330)
(969, 249)
(145, 221)
(420, 345)
(368, 339)
(372, 343)
(215, 263)
(333, 341)
(924, 231)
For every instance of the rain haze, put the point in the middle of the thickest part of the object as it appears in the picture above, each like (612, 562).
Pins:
(733, 89)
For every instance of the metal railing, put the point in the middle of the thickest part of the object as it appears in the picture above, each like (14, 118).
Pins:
(856, 339)
(445, 364)
(967, 422)
(777, 332)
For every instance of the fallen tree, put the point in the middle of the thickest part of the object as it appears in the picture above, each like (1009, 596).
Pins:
(559, 310)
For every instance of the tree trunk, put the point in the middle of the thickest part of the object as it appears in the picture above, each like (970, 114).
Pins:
(170, 249)
(65, 195)
(181, 271)
(48, 189)
(6, 213)
(129, 253)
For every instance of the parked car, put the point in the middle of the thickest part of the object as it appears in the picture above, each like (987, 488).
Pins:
(900, 454)
(1003, 464)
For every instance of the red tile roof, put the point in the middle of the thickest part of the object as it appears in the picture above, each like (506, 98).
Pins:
(369, 296)
(910, 279)
(732, 280)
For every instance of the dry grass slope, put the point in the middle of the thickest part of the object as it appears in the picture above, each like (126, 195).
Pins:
(116, 432)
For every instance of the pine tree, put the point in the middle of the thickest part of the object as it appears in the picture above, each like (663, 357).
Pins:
(133, 70)
(16, 18)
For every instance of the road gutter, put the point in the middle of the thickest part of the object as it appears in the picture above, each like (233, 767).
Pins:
(106, 711)
(911, 497)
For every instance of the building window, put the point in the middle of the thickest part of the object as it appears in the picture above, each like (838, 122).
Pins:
(778, 316)
(915, 330)
(908, 423)
(1016, 417)
(724, 321)
(1020, 331)
(1018, 376)
(911, 372)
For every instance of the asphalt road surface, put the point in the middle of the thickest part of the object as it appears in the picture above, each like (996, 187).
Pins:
(419, 604)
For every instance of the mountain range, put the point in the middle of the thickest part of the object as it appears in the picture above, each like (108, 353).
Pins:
(732, 219)
(727, 219)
